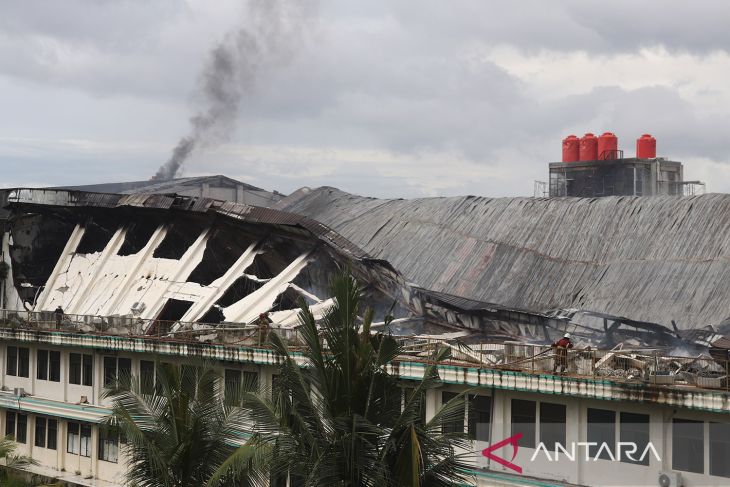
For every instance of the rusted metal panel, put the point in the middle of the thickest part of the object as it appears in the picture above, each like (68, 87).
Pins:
(651, 259)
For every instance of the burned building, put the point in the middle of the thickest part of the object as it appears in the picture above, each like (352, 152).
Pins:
(637, 282)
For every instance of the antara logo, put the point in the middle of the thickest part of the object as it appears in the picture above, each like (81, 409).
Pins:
(512, 440)
(603, 451)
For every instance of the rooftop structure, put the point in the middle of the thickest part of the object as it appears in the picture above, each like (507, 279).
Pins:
(144, 276)
(594, 167)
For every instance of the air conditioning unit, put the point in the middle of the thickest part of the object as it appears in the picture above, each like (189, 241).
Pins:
(670, 479)
(138, 307)
(18, 391)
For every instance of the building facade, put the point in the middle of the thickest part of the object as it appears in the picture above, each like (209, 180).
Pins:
(52, 403)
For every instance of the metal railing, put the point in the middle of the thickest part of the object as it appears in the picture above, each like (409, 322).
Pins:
(618, 365)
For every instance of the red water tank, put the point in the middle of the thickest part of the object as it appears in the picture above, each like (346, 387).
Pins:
(588, 147)
(607, 146)
(571, 149)
(646, 147)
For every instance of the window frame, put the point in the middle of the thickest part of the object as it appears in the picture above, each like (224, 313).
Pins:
(628, 433)
(681, 461)
(546, 426)
(529, 431)
(108, 446)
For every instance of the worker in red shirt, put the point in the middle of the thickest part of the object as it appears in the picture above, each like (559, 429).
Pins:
(561, 353)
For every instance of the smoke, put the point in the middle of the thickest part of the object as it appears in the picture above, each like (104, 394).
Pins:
(274, 30)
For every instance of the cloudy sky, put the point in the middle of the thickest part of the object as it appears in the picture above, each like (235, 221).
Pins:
(382, 98)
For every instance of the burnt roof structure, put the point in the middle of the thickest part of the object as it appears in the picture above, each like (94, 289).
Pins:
(650, 259)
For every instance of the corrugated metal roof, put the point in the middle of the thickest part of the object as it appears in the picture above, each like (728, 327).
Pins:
(650, 259)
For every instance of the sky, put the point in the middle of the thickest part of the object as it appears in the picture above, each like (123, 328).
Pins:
(381, 98)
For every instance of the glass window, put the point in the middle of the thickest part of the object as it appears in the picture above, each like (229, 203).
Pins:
(232, 385)
(54, 366)
(720, 449)
(21, 432)
(188, 374)
(12, 361)
(88, 371)
(457, 424)
(23, 362)
(634, 428)
(688, 439)
(42, 365)
(10, 424)
(124, 369)
(110, 371)
(108, 445)
(40, 431)
(250, 380)
(52, 434)
(147, 376)
(552, 424)
(523, 421)
(74, 440)
(601, 429)
(74, 369)
(85, 445)
(480, 415)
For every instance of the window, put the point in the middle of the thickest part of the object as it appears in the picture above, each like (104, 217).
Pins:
(601, 429)
(79, 439)
(457, 424)
(48, 365)
(480, 415)
(116, 369)
(688, 445)
(17, 361)
(108, 445)
(40, 431)
(232, 385)
(12, 361)
(147, 376)
(52, 434)
(237, 380)
(16, 425)
(523, 421)
(80, 369)
(552, 424)
(23, 362)
(10, 423)
(188, 379)
(45, 432)
(41, 366)
(720, 449)
(634, 428)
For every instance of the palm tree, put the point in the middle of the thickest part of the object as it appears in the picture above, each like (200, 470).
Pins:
(183, 433)
(336, 417)
(12, 461)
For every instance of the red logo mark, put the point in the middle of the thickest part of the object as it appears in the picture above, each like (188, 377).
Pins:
(512, 440)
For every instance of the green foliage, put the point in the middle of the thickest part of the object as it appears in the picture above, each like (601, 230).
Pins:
(11, 462)
(338, 420)
(183, 434)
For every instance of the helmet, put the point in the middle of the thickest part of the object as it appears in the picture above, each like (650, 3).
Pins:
(567, 335)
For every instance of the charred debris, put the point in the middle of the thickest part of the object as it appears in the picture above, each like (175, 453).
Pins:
(190, 268)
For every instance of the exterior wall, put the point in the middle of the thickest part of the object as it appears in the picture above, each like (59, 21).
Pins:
(59, 400)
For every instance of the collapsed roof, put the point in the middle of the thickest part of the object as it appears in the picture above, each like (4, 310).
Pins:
(662, 260)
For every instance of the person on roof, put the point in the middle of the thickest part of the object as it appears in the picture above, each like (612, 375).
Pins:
(58, 313)
(561, 353)
(264, 323)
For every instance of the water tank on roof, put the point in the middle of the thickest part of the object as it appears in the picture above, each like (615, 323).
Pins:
(588, 147)
(571, 149)
(646, 147)
(607, 146)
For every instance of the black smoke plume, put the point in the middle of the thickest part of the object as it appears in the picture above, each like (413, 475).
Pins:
(275, 29)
